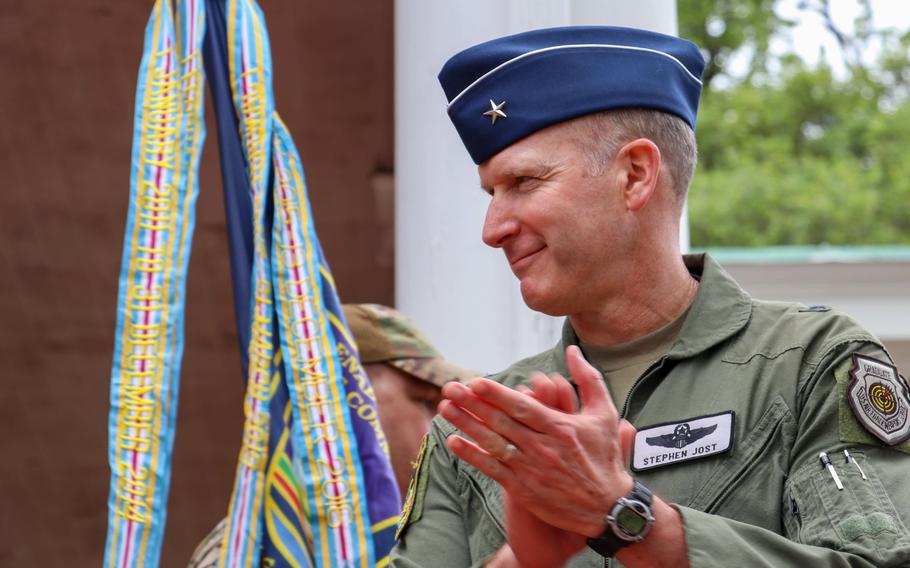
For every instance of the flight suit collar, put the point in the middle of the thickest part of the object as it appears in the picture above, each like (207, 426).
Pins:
(720, 309)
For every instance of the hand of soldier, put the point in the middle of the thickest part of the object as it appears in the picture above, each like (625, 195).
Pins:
(568, 469)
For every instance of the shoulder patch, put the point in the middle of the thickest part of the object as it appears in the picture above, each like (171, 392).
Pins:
(879, 398)
(875, 400)
(417, 487)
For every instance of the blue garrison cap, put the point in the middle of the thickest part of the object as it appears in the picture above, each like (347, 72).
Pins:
(503, 90)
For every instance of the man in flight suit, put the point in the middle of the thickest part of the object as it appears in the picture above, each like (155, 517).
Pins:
(709, 428)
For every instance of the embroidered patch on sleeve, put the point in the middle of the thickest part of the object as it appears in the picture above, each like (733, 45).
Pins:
(879, 399)
(684, 440)
(848, 425)
(417, 487)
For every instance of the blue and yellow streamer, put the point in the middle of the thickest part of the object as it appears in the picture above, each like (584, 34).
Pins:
(313, 485)
(167, 141)
(250, 80)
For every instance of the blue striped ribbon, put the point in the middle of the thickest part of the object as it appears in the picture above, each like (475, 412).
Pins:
(167, 140)
(250, 66)
(313, 468)
(333, 481)
(339, 475)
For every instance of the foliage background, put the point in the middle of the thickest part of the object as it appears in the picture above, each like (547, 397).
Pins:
(793, 153)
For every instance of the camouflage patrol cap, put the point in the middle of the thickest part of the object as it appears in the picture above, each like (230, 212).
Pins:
(385, 335)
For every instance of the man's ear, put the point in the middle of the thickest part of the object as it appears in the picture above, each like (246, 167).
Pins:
(640, 162)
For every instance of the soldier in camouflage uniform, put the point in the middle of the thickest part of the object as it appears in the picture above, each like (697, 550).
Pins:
(407, 374)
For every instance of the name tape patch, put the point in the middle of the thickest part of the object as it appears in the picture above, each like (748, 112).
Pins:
(878, 397)
(685, 440)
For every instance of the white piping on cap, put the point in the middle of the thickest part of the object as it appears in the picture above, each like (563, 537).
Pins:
(571, 46)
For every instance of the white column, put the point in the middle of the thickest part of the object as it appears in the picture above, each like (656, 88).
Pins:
(461, 293)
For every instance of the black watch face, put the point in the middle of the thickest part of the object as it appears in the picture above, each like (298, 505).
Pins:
(630, 521)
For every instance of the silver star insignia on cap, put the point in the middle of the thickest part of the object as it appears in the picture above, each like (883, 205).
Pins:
(495, 111)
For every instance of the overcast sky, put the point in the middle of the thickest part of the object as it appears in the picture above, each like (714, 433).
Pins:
(810, 34)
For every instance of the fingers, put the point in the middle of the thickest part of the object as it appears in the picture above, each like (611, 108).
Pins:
(488, 440)
(553, 391)
(492, 402)
(484, 461)
(567, 401)
(491, 428)
(591, 387)
(544, 389)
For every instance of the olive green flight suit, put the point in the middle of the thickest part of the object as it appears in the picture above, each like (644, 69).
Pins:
(782, 368)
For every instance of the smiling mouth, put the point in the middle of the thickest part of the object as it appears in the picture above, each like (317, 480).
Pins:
(524, 260)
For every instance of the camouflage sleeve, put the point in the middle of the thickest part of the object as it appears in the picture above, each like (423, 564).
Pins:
(862, 525)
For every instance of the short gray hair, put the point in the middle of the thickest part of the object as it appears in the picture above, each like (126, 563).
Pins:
(608, 131)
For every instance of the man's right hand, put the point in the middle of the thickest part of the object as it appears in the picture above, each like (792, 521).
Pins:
(534, 543)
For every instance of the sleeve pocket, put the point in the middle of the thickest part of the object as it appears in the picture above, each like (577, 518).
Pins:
(860, 519)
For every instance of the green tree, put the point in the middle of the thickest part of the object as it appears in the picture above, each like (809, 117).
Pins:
(806, 156)
(722, 27)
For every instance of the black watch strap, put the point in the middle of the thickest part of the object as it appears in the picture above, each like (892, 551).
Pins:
(609, 543)
(641, 493)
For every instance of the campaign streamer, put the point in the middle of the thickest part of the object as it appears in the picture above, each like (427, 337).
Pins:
(313, 468)
(333, 481)
(167, 139)
(250, 78)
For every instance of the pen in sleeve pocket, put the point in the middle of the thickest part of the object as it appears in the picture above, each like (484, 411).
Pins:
(826, 462)
(850, 459)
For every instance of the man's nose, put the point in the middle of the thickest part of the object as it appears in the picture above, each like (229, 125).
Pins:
(500, 223)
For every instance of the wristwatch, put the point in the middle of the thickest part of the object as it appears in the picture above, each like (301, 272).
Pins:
(628, 522)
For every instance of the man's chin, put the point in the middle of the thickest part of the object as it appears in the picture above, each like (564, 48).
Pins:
(541, 299)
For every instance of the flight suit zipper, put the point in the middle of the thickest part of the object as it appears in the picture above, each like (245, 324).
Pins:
(608, 562)
(654, 366)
